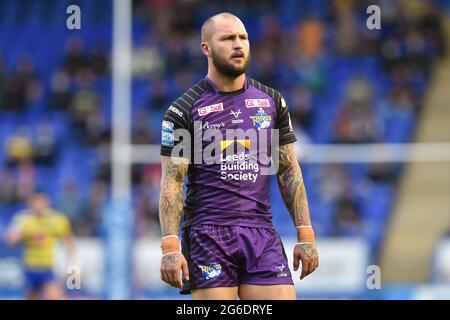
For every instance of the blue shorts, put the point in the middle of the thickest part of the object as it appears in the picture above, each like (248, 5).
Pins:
(35, 279)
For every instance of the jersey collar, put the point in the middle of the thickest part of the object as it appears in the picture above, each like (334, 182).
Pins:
(211, 87)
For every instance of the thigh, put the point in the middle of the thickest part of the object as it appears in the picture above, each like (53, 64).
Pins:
(264, 259)
(209, 251)
(220, 293)
(52, 291)
(269, 292)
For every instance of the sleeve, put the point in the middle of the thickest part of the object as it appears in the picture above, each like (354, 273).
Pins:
(19, 222)
(284, 124)
(63, 226)
(175, 120)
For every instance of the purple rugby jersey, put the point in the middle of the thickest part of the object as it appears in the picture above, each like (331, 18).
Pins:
(231, 191)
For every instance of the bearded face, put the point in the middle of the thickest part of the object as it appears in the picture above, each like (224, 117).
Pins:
(231, 64)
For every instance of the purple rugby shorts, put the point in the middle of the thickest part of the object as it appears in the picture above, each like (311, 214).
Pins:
(228, 256)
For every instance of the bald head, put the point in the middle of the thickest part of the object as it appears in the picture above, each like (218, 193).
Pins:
(209, 26)
(225, 43)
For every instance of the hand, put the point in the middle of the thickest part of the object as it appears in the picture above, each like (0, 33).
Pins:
(171, 263)
(307, 253)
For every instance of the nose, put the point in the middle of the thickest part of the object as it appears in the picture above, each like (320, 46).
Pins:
(237, 43)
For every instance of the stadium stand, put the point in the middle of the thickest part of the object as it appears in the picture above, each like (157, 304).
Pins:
(343, 82)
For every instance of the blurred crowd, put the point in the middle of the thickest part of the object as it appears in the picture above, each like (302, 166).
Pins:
(291, 50)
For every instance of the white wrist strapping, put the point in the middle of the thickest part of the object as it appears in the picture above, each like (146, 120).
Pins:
(170, 236)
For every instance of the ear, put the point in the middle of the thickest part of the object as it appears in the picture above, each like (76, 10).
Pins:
(206, 49)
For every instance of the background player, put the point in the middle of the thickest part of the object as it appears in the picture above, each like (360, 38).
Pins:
(39, 228)
(228, 238)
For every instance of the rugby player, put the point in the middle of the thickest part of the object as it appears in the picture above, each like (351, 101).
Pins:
(229, 247)
(39, 228)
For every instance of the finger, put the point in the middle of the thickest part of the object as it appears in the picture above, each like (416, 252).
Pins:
(305, 269)
(177, 278)
(312, 266)
(173, 278)
(296, 262)
(179, 281)
(165, 277)
(185, 269)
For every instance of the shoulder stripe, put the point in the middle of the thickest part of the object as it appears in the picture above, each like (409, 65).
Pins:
(195, 94)
(259, 86)
(200, 90)
(187, 95)
(181, 98)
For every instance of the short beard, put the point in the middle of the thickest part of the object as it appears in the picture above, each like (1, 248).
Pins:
(226, 68)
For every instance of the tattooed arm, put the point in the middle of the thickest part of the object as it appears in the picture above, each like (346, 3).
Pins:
(292, 188)
(170, 210)
(171, 198)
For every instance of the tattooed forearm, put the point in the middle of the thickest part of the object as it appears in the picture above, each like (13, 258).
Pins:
(292, 188)
(171, 200)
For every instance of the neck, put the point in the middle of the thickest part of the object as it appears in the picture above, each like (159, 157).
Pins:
(224, 83)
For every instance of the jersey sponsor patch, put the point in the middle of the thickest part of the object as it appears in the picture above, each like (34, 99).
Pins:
(211, 270)
(167, 125)
(167, 134)
(257, 103)
(261, 120)
(208, 125)
(209, 109)
(176, 111)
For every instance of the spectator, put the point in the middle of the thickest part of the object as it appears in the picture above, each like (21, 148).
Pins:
(61, 97)
(97, 131)
(75, 59)
(45, 144)
(97, 197)
(26, 180)
(19, 147)
(148, 201)
(348, 220)
(99, 63)
(300, 105)
(73, 206)
(8, 189)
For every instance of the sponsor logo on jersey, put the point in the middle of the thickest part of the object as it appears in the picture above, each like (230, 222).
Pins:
(236, 115)
(224, 144)
(237, 166)
(207, 125)
(176, 111)
(257, 103)
(167, 125)
(167, 134)
(261, 120)
(209, 109)
(281, 274)
(211, 270)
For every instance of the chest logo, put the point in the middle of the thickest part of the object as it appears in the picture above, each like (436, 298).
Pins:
(236, 115)
(261, 120)
(257, 103)
(209, 109)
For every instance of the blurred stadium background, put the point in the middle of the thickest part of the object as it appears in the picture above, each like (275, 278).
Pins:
(357, 98)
